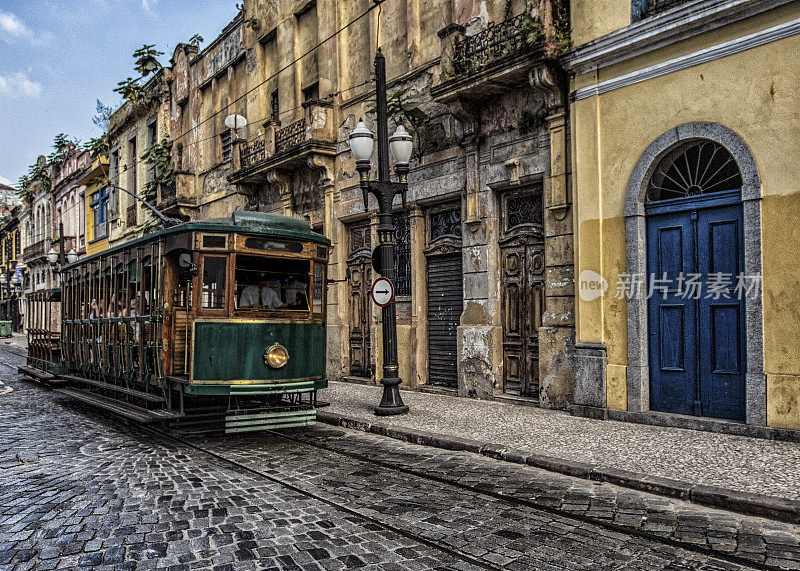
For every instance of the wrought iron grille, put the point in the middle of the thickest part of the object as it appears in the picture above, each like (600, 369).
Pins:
(290, 136)
(360, 238)
(698, 167)
(524, 209)
(252, 151)
(497, 41)
(445, 223)
(641, 9)
(402, 253)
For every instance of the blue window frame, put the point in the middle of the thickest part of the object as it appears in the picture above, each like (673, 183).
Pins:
(99, 205)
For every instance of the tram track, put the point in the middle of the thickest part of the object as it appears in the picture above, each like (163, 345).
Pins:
(454, 552)
(466, 557)
(442, 481)
(521, 502)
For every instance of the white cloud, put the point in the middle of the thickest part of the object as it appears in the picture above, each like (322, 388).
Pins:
(12, 28)
(4, 180)
(19, 85)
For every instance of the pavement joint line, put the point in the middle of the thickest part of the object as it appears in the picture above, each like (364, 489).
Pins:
(556, 511)
(410, 535)
(747, 503)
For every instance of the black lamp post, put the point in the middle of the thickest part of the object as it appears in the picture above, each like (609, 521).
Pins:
(361, 142)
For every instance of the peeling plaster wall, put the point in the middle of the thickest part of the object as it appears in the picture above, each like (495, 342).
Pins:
(442, 174)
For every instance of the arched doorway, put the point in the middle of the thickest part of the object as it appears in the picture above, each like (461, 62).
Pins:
(695, 258)
(651, 199)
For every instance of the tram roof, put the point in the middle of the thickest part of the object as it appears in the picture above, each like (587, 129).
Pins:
(243, 222)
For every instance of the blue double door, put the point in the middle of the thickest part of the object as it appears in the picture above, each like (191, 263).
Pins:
(696, 319)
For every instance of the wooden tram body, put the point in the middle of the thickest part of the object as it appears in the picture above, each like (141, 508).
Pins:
(213, 324)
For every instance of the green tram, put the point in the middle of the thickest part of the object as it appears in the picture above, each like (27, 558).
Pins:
(207, 325)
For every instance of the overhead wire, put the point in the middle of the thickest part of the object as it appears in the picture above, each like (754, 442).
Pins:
(376, 3)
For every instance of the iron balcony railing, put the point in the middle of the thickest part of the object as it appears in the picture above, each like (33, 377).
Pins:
(34, 250)
(498, 41)
(253, 151)
(290, 136)
(641, 9)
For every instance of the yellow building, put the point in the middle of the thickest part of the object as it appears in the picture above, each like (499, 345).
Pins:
(96, 205)
(685, 137)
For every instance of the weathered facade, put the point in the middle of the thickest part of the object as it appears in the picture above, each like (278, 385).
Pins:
(134, 128)
(685, 165)
(11, 308)
(39, 233)
(485, 283)
(68, 200)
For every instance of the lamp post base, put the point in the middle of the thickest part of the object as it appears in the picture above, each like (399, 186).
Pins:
(392, 402)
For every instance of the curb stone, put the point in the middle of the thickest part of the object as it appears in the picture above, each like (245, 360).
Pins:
(771, 507)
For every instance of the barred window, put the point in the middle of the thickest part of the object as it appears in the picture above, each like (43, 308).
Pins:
(227, 145)
(402, 253)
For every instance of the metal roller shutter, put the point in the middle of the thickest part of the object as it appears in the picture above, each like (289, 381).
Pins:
(445, 304)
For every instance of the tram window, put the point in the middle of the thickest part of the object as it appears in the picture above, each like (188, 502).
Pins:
(216, 242)
(147, 285)
(271, 283)
(133, 288)
(213, 293)
(274, 245)
(183, 294)
(319, 284)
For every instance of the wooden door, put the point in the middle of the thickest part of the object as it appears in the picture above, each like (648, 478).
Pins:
(697, 336)
(522, 290)
(359, 280)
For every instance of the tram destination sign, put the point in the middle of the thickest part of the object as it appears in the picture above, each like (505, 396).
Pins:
(382, 292)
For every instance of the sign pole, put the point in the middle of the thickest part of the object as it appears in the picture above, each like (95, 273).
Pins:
(391, 402)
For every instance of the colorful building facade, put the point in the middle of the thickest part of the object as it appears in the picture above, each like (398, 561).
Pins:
(96, 205)
(684, 124)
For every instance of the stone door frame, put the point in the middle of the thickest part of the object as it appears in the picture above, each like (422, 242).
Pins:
(638, 373)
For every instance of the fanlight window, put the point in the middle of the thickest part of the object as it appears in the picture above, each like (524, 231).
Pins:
(698, 167)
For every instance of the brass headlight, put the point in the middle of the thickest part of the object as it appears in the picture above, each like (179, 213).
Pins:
(276, 356)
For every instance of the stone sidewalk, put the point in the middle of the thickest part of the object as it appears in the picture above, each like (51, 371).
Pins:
(19, 341)
(750, 475)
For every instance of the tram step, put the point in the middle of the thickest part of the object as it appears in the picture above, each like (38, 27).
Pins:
(269, 420)
(37, 374)
(116, 388)
(123, 409)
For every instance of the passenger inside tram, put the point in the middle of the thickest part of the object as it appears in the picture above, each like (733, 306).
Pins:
(260, 283)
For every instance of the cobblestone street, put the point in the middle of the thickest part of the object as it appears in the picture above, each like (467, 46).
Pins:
(82, 490)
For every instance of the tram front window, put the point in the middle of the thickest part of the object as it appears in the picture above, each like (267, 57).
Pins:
(271, 283)
(213, 295)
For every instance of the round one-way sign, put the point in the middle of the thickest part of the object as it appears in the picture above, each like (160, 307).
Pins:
(382, 292)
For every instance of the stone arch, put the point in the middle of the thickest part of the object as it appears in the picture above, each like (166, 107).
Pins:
(638, 375)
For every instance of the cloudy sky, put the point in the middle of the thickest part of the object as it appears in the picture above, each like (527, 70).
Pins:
(57, 57)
